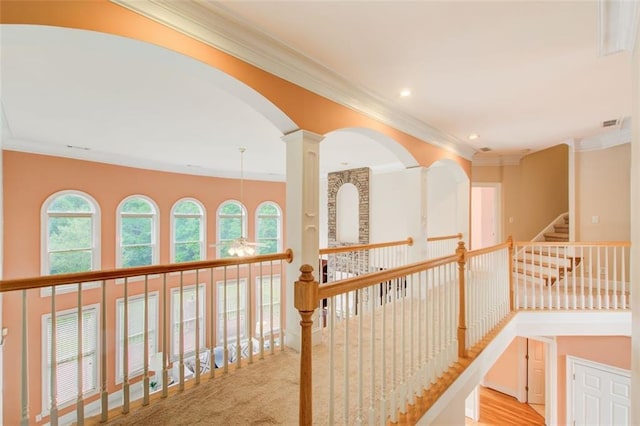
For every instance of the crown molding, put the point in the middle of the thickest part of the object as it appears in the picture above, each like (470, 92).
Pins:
(604, 140)
(497, 160)
(213, 25)
(618, 23)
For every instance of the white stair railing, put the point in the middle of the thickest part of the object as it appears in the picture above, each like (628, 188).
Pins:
(573, 275)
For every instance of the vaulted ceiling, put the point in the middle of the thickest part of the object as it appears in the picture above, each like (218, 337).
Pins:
(522, 75)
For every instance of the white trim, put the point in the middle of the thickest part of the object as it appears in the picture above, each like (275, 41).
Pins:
(151, 296)
(155, 229)
(220, 333)
(215, 26)
(202, 298)
(502, 389)
(605, 140)
(44, 239)
(243, 231)
(203, 228)
(278, 216)
(45, 387)
(569, 385)
(531, 324)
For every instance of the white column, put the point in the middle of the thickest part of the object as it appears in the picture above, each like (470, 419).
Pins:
(635, 236)
(416, 211)
(302, 217)
(572, 189)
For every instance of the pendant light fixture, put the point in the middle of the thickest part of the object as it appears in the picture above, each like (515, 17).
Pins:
(241, 247)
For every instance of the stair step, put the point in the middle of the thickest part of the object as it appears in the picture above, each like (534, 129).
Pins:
(556, 236)
(562, 228)
(534, 274)
(542, 264)
(545, 251)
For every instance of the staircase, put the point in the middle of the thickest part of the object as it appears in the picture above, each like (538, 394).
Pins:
(546, 264)
(560, 231)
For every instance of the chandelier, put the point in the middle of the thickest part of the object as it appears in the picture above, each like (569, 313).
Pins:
(241, 247)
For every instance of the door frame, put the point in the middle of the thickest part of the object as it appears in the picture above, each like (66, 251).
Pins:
(571, 362)
(497, 208)
(550, 378)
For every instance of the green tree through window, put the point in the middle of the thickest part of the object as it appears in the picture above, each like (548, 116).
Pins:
(70, 234)
(231, 225)
(268, 228)
(188, 231)
(137, 232)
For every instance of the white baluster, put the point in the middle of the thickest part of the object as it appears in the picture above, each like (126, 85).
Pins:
(80, 381)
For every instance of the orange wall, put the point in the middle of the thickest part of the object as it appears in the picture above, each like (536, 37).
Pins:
(308, 110)
(30, 179)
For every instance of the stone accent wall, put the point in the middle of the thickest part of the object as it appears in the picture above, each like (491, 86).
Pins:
(360, 179)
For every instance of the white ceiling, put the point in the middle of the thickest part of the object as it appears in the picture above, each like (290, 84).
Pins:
(523, 75)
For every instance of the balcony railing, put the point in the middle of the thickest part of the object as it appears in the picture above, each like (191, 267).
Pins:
(392, 335)
(184, 322)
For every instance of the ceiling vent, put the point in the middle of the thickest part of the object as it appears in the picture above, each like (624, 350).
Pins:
(609, 123)
(485, 149)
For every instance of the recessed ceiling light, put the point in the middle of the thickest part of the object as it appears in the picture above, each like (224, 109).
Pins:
(405, 93)
(473, 136)
(344, 163)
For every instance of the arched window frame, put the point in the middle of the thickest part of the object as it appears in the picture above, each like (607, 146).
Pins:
(155, 228)
(278, 217)
(222, 244)
(94, 215)
(203, 226)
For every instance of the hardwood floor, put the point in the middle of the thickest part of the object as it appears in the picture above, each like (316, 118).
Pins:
(499, 409)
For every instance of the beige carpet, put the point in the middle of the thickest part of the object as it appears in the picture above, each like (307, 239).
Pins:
(241, 397)
(267, 391)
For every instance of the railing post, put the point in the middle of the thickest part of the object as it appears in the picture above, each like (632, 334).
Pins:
(461, 252)
(511, 284)
(306, 301)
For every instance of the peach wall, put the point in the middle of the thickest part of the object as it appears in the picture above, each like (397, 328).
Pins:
(29, 179)
(544, 189)
(308, 110)
(533, 193)
(610, 350)
(504, 374)
(602, 184)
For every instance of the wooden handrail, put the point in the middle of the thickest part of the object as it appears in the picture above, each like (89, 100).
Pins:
(356, 247)
(574, 243)
(111, 274)
(457, 236)
(486, 250)
(362, 281)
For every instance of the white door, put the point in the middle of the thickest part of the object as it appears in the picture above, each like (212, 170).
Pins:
(600, 396)
(535, 371)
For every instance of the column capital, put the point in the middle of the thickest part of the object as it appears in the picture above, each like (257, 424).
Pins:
(302, 135)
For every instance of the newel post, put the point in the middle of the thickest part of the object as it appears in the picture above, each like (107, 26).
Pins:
(461, 252)
(511, 284)
(306, 302)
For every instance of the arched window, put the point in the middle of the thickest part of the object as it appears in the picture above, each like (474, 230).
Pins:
(71, 233)
(188, 231)
(232, 224)
(269, 228)
(137, 223)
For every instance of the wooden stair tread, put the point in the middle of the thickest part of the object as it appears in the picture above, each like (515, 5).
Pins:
(556, 235)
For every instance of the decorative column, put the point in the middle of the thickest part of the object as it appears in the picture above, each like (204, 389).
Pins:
(302, 218)
(416, 212)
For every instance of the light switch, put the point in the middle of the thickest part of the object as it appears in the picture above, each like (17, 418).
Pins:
(595, 219)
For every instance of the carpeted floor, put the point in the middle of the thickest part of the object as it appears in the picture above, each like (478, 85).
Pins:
(241, 397)
(267, 391)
